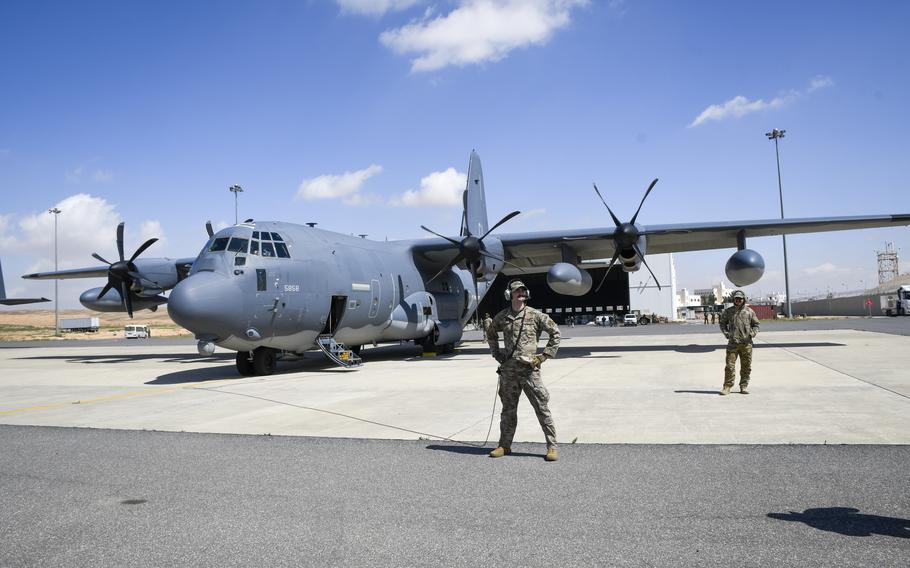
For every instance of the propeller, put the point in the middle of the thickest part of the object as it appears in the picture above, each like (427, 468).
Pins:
(208, 229)
(123, 273)
(471, 251)
(626, 236)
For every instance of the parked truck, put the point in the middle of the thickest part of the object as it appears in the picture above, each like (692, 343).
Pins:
(897, 303)
(80, 324)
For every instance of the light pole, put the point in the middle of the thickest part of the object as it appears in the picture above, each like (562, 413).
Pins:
(775, 135)
(235, 189)
(55, 212)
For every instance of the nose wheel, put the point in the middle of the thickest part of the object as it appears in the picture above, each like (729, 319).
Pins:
(261, 361)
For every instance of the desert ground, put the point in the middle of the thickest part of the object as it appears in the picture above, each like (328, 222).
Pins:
(28, 325)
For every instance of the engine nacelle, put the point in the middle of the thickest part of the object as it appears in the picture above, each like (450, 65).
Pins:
(629, 259)
(569, 280)
(745, 267)
(111, 302)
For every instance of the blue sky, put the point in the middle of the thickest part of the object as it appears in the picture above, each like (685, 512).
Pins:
(361, 114)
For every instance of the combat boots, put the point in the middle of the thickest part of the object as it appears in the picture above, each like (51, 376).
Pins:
(725, 391)
(551, 455)
(744, 389)
(499, 452)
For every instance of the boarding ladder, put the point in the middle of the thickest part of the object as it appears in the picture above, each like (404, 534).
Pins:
(338, 353)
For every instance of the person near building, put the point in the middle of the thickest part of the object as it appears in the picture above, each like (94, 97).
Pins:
(519, 365)
(487, 320)
(739, 324)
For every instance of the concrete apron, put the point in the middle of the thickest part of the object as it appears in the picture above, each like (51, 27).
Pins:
(808, 387)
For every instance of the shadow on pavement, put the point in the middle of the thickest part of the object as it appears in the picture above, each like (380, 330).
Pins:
(848, 521)
(170, 358)
(714, 392)
(475, 451)
(571, 351)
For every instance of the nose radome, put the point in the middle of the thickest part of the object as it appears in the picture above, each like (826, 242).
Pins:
(207, 303)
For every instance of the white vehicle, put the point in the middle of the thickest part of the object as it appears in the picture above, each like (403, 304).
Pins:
(629, 319)
(897, 303)
(137, 332)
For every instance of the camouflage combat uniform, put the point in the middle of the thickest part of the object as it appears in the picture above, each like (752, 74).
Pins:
(739, 326)
(521, 372)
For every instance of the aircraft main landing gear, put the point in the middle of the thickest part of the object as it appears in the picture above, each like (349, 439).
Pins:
(261, 361)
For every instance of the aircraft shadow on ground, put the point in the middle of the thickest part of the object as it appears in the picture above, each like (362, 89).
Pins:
(475, 451)
(711, 392)
(570, 351)
(848, 521)
(170, 358)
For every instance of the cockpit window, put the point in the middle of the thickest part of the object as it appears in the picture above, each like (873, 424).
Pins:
(219, 244)
(282, 250)
(254, 247)
(268, 249)
(276, 237)
(264, 236)
(238, 245)
(255, 234)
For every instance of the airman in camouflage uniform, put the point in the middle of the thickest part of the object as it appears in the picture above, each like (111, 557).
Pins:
(519, 366)
(739, 325)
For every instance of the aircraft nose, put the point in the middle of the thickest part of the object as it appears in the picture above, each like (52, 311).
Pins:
(207, 303)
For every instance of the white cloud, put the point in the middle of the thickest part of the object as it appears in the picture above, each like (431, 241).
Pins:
(478, 31)
(374, 7)
(149, 230)
(102, 176)
(439, 189)
(740, 106)
(332, 186)
(825, 268)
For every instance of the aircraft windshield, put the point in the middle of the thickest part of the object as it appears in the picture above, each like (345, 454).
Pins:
(268, 244)
(219, 244)
(238, 245)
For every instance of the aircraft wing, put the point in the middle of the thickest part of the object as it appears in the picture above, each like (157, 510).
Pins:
(543, 249)
(94, 272)
(18, 301)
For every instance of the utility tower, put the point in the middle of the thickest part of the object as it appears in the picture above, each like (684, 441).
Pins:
(887, 264)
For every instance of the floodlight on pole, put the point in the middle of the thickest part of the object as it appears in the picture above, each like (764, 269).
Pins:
(235, 189)
(775, 135)
(54, 211)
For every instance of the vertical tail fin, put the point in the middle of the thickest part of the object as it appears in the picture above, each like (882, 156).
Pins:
(474, 218)
(2, 286)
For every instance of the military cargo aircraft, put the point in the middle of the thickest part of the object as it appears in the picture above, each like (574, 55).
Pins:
(267, 288)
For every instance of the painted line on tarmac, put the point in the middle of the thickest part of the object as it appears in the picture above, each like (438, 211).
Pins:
(845, 373)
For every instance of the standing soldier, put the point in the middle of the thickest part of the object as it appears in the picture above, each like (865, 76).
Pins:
(487, 320)
(739, 325)
(519, 365)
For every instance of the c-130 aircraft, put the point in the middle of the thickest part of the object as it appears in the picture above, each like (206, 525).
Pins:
(267, 288)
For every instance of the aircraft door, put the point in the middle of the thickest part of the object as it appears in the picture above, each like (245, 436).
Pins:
(336, 314)
(375, 295)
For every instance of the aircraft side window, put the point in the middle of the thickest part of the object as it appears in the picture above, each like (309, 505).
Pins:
(219, 244)
(239, 261)
(260, 279)
(254, 247)
(268, 249)
(255, 234)
(276, 237)
(238, 245)
(282, 250)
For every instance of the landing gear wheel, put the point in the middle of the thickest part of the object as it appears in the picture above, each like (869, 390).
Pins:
(244, 365)
(264, 361)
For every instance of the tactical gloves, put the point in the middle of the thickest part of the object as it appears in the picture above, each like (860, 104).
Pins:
(538, 360)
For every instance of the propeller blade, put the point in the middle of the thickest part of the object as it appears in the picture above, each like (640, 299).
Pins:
(476, 299)
(455, 261)
(650, 187)
(453, 241)
(104, 290)
(142, 248)
(602, 200)
(97, 256)
(502, 260)
(127, 298)
(120, 239)
(607, 273)
(501, 221)
(208, 229)
(645, 262)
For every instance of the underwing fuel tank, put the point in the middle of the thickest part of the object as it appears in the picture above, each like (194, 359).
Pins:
(569, 280)
(745, 267)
